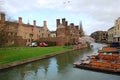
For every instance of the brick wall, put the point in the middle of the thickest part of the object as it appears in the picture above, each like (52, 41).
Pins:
(60, 41)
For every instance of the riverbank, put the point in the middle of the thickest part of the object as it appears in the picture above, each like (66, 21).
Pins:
(13, 57)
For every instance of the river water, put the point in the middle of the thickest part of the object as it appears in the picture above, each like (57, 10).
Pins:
(59, 67)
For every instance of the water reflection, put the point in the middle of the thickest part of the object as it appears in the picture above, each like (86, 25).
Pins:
(57, 68)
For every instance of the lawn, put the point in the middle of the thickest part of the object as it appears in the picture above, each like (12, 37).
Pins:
(9, 55)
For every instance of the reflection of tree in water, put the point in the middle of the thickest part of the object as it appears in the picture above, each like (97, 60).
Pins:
(34, 67)
(46, 68)
(65, 59)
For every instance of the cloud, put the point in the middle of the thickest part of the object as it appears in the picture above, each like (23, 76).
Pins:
(96, 14)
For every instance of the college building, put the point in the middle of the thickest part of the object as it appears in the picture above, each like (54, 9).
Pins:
(114, 32)
(19, 34)
(100, 36)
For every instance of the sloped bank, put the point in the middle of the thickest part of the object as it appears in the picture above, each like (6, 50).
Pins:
(13, 64)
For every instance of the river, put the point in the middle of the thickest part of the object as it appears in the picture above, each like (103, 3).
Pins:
(59, 67)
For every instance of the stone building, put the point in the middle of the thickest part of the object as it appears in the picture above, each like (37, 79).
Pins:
(110, 34)
(21, 34)
(116, 32)
(100, 36)
(44, 31)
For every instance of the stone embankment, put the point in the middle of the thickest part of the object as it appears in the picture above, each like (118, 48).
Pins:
(5, 66)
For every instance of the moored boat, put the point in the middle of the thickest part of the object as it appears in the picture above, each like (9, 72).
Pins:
(107, 70)
(107, 60)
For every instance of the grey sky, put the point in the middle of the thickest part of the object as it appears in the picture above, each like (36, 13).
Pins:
(95, 14)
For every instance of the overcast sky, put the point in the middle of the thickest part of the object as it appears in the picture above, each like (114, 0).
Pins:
(94, 14)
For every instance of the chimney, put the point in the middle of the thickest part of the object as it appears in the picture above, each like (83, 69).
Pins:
(71, 24)
(45, 23)
(34, 22)
(2, 18)
(66, 23)
(58, 22)
(77, 27)
(20, 20)
(63, 22)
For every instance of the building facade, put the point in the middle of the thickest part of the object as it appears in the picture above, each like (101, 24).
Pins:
(22, 34)
(116, 36)
(65, 34)
(110, 34)
(100, 36)
(71, 32)
(114, 32)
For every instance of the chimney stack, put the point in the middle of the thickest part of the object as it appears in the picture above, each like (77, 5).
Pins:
(34, 22)
(77, 27)
(58, 22)
(20, 20)
(71, 24)
(2, 18)
(66, 23)
(45, 23)
(63, 22)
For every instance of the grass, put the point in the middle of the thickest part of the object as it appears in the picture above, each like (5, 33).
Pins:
(9, 55)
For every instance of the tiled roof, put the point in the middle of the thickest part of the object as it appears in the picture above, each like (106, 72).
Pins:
(108, 49)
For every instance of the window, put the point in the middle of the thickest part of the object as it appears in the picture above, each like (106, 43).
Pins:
(29, 40)
(32, 30)
(118, 39)
(15, 34)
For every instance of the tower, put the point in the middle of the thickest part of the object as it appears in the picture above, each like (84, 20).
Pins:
(81, 29)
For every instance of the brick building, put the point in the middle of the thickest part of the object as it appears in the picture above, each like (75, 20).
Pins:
(71, 32)
(65, 34)
(21, 34)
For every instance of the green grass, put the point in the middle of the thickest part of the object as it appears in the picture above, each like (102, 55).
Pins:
(9, 55)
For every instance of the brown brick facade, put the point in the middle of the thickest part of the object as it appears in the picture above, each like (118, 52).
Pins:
(24, 34)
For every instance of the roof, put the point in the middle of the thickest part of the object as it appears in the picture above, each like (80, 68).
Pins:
(25, 25)
(53, 31)
(111, 28)
(108, 49)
